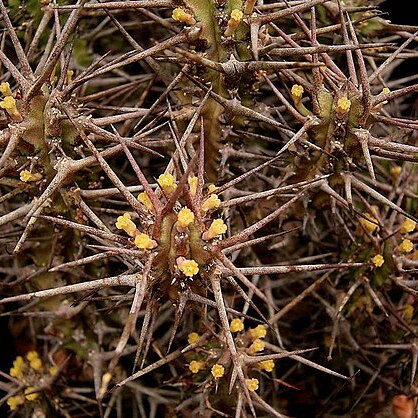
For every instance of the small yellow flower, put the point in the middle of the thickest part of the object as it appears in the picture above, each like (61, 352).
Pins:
(406, 246)
(218, 370)
(378, 260)
(181, 16)
(15, 401)
(369, 222)
(267, 365)
(297, 92)
(192, 185)
(36, 364)
(70, 74)
(144, 242)
(30, 396)
(146, 201)
(196, 366)
(166, 182)
(408, 225)
(18, 368)
(256, 346)
(53, 370)
(236, 325)
(217, 227)
(185, 217)
(237, 15)
(5, 89)
(343, 106)
(32, 355)
(188, 267)
(124, 222)
(233, 22)
(193, 337)
(27, 176)
(395, 171)
(258, 332)
(8, 103)
(212, 188)
(211, 202)
(252, 384)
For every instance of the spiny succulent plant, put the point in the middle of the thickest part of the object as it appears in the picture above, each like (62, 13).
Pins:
(208, 208)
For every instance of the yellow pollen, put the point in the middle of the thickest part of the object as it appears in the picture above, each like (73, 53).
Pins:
(378, 260)
(252, 384)
(196, 366)
(181, 16)
(188, 267)
(30, 396)
(408, 225)
(146, 201)
(193, 337)
(343, 106)
(5, 89)
(124, 222)
(406, 246)
(144, 242)
(258, 332)
(166, 182)
(185, 217)
(297, 92)
(217, 227)
(236, 325)
(193, 185)
(211, 202)
(256, 346)
(267, 365)
(218, 370)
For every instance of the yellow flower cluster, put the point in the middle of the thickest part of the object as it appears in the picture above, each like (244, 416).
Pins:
(144, 242)
(297, 92)
(27, 176)
(30, 396)
(212, 202)
(185, 217)
(217, 370)
(193, 337)
(18, 368)
(256, 346)
(181, 16)
(378, 260)
(5, 89)
(408, 225)
(258, 332)
(236, 325)
(369, 222)
(15, 401)
(188, 267)
(233, 22)
(146, 201)
(34, 361)
(267, 365)
(9, 105)
(252, 384)
(193, 185)
(343, 106)
(124, 222)
(196, 366)
(217, 227)
(167, 183)
(406, 246)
